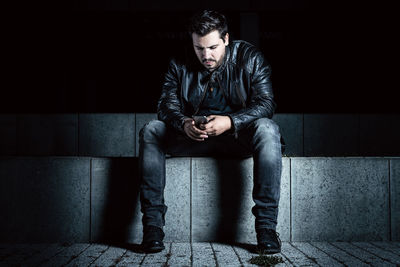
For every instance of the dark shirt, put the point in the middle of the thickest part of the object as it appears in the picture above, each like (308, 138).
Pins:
(214, 102)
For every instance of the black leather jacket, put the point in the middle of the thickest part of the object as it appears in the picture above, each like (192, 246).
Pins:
(244, 77)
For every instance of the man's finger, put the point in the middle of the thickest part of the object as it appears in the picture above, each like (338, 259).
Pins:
(211, 117)
(195, 138)
(210, 120)
(209, 127)
(198, 134)
(198, 131)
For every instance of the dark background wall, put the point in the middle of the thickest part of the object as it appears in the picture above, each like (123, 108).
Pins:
(111, 55)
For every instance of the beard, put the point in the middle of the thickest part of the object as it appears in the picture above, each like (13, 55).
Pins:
(214, 66)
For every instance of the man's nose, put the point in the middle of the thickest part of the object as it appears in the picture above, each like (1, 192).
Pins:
(206, 53)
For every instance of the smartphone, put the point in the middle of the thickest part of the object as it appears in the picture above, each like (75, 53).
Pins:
(200, 120)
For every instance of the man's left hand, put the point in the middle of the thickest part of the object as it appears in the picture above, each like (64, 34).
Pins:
(216, 125)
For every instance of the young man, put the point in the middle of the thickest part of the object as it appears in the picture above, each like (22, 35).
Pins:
(229, 84)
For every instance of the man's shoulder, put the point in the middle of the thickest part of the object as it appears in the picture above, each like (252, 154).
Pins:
(243, 52)
(245, 55)
(241, 44)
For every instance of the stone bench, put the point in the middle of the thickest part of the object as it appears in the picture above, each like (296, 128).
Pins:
(83, 199)
(73, 177)
(116, 135)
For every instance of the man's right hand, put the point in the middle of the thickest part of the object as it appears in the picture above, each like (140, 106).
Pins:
(193, 132)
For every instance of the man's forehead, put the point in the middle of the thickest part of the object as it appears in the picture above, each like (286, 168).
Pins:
(205, 45)
(211, 39)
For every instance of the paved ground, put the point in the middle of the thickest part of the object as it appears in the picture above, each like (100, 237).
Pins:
(200, 254)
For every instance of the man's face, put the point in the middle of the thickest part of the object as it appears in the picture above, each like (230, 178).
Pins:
(210, 49)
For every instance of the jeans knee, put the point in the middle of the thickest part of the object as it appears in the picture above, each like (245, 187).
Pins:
(266, 127)
(152, 132)
(266, 134)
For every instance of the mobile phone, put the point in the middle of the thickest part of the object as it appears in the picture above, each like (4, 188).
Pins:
(200, 120)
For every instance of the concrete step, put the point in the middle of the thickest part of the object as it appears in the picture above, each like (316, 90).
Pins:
(200, 254)
(116, 135)
(86, 199)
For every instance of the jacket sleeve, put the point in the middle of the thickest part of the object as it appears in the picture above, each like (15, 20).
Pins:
(169, 108)
(260, 103)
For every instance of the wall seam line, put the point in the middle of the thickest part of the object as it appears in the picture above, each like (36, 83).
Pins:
(191, 201)
(290, 199)
(390, 203)
(90, 199)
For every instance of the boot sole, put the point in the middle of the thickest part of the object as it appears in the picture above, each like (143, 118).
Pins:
(154, 249)
(269, 251)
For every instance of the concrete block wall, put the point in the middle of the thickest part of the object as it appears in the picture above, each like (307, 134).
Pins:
(55, 134)
(44, 199)
(395, 198)
(222, 200)
(107, 135)
(8, 134)
(82, 184)
(116, 135)
(115, 213)
(333, 135)
(59, 199)
(114, 209)
(344, 198)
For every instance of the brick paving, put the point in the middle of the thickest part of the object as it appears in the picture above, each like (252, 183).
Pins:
(200, 254)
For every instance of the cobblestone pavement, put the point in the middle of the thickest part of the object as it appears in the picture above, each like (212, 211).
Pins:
(200, 254)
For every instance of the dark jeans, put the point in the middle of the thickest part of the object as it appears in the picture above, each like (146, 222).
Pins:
(261, 139)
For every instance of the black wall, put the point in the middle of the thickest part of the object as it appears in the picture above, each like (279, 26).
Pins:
(110, 56)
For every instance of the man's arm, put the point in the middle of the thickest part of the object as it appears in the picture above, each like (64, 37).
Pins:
(261, 103)
(169, 107)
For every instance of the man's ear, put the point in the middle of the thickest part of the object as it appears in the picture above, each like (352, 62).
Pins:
(226, 39)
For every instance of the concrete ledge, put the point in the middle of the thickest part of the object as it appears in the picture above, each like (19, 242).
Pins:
(340, 199)
(107, 135)
(379, 134)
(44, 199)
(116, 135)
(115, 212)
(331, 135)
(8, 135)
(291, 127)
(222, 200)
(395, 198)
(59, 199)
(42, 135)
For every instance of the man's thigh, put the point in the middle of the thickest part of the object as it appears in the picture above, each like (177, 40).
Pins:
(225, 145)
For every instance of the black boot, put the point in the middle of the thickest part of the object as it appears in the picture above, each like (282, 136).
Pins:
(268, 241)
(152, 239)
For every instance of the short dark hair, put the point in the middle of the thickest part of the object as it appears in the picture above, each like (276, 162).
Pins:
(207, 21)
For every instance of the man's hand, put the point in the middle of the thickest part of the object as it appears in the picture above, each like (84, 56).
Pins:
(193, 132)
(216, 125)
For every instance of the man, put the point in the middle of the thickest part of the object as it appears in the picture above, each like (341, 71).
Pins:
(229, 83)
